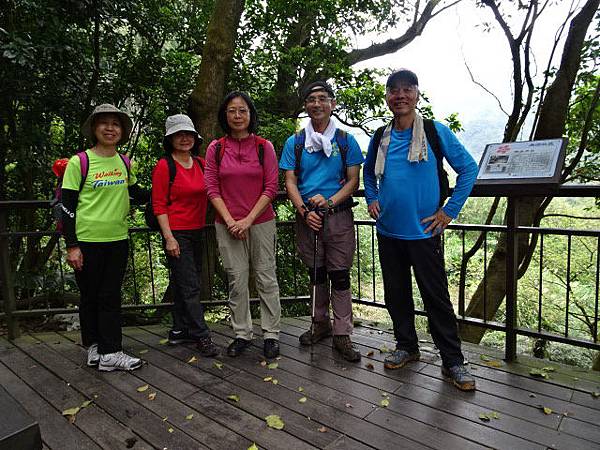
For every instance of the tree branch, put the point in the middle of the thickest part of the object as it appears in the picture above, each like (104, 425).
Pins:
(393, 45)
(483, 87)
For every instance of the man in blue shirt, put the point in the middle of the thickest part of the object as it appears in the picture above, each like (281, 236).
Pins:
(322, 166)
(402, 190)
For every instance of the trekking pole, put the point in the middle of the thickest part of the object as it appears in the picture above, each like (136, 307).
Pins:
(314, 292)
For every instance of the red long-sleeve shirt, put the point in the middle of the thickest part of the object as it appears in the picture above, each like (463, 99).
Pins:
(188, 200)
(240, 179)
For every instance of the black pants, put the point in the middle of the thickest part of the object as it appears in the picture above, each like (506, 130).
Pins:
(426, 258)
(99, 282)
(188, 312)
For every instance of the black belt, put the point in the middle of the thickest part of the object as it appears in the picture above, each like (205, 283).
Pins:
(346, 204)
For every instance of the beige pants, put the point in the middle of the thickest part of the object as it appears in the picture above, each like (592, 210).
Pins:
(258, 252)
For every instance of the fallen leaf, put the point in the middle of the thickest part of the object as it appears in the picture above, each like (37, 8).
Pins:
(384, 349)
(484, 417)
(71, 411)
(494, 415)
(370, 353)
(275, 421)
(532, 395)
(385, 402)
(71, 419)
(170, 430)
(493, 363)
(263, 363)
(189, 417)
(596, 394)
(130, 442)
(143, 351)
(278, 358)
(143, 388)
(275, 381)
(192, 359)
(163, 341)
(370, 366)
(384, 394)
(233, 397)
(151, 396)
(322, 429)
(300, 389)
(549, 369)
(86, 404)
(267, 379)
(165, 419)
(218, 365)
(273, 365)
(485, 358)
(538, 373)
(302, 400)
(545, 410)
(348, 405)
(253, 447)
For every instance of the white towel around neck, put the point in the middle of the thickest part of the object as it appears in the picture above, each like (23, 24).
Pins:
(418, 145)
(315, 142)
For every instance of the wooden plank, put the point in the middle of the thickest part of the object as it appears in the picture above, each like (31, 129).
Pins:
(168, 402)
(56, 431)
(117, 403)
(93, 421)
(584, 430)
(469, 429)
(563, 375)
(510, 424)
(319, 414)
(247, 418)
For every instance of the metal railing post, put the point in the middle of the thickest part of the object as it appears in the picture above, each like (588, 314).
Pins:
(512, 267)
(6, 278)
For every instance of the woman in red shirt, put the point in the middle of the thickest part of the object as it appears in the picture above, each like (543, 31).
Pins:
(180, 208)
(241, 174)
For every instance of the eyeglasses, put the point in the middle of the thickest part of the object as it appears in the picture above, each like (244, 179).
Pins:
(240, 111)
(403, 89)
(318, 99)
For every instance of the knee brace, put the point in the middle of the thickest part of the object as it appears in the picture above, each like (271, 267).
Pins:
(321, 275)
(340, 279)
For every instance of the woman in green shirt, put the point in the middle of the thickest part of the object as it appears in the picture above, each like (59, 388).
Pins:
(95, 198)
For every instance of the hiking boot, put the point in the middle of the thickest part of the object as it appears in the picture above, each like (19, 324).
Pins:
(343, 344)
(93, 357)
(321, 330)
(237, 347)
(399, 358)
(460, 377)
(271, 348)
(180, 337)
(207, 347)
(118, 361)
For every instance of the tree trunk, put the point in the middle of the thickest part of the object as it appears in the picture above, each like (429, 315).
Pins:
(552, 119)
(206, 97)
(596, 363)
(217, 57)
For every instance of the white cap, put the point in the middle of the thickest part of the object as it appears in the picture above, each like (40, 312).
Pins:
(179, 122)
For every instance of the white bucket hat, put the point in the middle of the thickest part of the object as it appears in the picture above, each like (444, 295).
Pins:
(180, 122)
(105, 108)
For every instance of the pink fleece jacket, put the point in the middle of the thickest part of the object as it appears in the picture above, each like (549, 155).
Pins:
(240, 180)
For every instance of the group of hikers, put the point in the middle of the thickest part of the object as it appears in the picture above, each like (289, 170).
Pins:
(406, 189)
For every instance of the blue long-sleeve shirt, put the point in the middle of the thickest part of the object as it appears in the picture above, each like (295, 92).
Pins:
(409, 191)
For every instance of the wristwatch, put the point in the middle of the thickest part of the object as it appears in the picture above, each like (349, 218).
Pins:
(330, 203)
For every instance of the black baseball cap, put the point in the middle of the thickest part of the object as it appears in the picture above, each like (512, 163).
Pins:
(402, 76)
(318, 86)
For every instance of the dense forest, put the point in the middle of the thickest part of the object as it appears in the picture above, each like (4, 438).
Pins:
(59, 58)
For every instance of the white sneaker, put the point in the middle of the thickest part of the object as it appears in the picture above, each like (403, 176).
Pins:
(118, 361)
(93, 356)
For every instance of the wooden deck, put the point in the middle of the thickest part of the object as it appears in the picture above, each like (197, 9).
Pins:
(191, 409)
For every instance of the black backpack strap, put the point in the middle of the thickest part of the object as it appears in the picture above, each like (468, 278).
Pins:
(172, 172)
(341, 137)
(84, 162)
(434, 142)
(299, 140)
(200, 163)
(127, 163)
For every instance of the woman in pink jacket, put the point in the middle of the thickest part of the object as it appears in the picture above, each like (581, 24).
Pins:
(241, 177)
